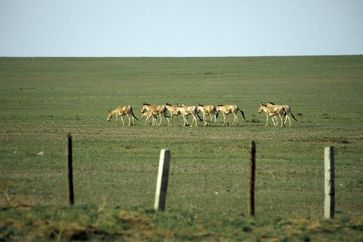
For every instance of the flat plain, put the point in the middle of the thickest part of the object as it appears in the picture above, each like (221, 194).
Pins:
(115, 166)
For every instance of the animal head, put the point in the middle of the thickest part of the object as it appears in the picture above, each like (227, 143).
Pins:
(262, 107)
(200, 107)
(143, 109)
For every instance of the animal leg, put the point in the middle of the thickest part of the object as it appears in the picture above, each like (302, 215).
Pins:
(148, 119)
(116, 120)
(267, 121)
(224, 119)
(235, 119)
(285, 120)
(173, 117)
(176, 119)
(161, 119)
(185, 123)
(282, 121)
(275, 121)
(195, 121)
(123, 123)
(128, 116)
(169, 121)
(215, 118)
(154, 121)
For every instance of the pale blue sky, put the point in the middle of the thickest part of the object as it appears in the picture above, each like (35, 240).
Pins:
(180, 27)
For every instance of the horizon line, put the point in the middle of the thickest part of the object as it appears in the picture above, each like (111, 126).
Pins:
(217, 56)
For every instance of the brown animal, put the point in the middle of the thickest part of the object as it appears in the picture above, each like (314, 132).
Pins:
(285, 111)
(186, 111)
(207, 110)
(228, 109)
(150, 115)
(122, 111)
(153, 110)
(273, 112)
(173, 111)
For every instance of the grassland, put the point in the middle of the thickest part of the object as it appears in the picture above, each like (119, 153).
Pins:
(42, 99)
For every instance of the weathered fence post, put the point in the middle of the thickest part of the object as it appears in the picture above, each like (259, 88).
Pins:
(70, 170)
(329, 184)
(162, 180)
(252, 177)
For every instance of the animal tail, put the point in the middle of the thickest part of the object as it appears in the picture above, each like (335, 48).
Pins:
(200, 119)
(288, 111)
(243, 115)
(132, 112)
(293, 115)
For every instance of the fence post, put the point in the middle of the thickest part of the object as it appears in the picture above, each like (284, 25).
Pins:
(70, 170)
(329, 183)
(162, 180)
(252, 177)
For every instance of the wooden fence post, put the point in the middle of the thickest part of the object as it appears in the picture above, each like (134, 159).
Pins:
(329, 183)
(252, 177)
(162, 180)
(70, 170)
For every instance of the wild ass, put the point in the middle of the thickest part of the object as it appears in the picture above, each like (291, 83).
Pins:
(273, 112)
(151, 118)
(122, 111)
(173, 111)
(228, 109)
(284, 110)
(151, 111)
(208, 110)
(186, 111)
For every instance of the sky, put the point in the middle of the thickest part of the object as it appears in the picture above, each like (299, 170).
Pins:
(123, 28)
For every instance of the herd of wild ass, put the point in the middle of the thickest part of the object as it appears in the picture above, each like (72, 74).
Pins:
(209, 113)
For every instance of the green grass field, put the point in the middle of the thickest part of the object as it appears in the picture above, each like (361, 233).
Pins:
(115, 166)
